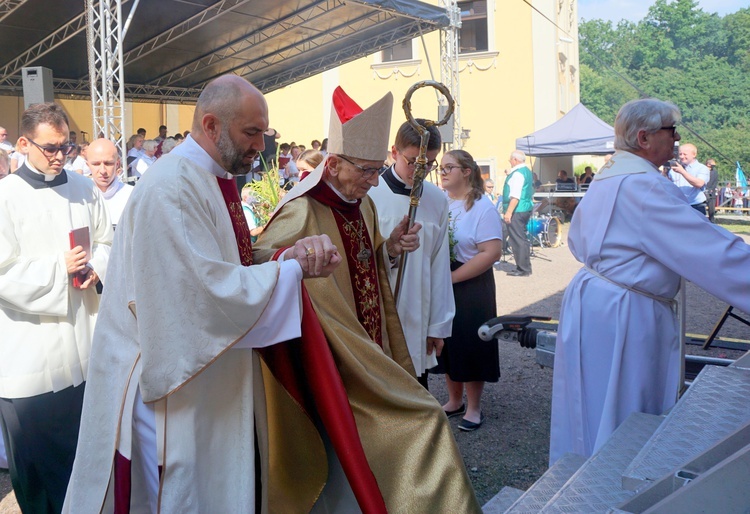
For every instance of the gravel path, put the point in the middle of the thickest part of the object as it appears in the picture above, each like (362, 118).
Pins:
(511, 448)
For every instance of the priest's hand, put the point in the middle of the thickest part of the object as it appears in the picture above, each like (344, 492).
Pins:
(436, 344)
(91, 279)
(403, 239)
(317, 256)
(75, 260)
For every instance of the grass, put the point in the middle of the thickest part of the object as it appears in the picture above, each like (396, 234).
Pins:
(737, 228)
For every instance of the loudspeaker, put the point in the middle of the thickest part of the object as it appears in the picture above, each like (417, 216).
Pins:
(37, 86)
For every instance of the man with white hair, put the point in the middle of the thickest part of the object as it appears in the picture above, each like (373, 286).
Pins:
(618, 348)
(147, 158)
(518, 203)
(104, 162)
(168, 421)
(691, 177)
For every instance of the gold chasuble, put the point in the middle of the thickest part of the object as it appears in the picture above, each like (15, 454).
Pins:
(406, 437)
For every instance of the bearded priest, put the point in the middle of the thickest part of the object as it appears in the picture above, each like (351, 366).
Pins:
(348, 421)
(168, 422)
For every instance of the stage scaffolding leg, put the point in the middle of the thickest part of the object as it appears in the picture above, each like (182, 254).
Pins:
(104, 36)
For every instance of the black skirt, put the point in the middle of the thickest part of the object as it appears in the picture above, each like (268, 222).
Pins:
(465, 357)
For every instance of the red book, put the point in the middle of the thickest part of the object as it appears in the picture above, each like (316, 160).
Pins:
(80, 237)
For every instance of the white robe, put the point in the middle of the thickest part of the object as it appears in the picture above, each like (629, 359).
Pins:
(425, 307)
(617, 350)
(116, 197)
(178, 299)
(46, 325)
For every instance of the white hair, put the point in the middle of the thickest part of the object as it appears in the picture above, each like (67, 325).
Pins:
(168, 145)
(518, 155)
(647, 114)
(150, 145)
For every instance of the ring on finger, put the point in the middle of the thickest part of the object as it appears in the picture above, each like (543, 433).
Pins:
(309, 251)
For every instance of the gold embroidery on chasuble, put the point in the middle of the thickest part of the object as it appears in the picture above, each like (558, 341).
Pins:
(243, 240)
(363, 275)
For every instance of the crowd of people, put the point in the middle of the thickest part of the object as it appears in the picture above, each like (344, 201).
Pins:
(190, 376)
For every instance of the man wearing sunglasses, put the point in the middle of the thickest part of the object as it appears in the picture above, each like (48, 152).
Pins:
(49, 306)
(425, 303)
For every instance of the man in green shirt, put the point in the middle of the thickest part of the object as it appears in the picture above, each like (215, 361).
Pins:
(518, 193)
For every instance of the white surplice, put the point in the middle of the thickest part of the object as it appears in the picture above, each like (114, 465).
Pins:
(617, 349)
(178, 300)
(46, 325)
(425, 307)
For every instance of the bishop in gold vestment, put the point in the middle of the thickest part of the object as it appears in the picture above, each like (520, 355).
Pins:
(402, 431)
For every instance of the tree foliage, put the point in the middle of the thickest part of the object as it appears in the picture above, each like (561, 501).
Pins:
(698, 60)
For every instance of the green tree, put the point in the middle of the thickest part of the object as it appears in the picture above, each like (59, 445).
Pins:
(697, 60)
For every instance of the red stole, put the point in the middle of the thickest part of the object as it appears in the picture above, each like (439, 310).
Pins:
(232, 199)
(306, 369)
(363, 274)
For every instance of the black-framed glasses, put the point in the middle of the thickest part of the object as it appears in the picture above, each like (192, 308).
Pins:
(430, 166)
(50, 151)
(366, 172)
(444, 170)
(673, 128)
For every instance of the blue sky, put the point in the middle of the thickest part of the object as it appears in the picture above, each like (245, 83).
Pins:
(635, 10)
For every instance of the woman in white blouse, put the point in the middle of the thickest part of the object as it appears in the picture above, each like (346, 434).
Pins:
(476, 243)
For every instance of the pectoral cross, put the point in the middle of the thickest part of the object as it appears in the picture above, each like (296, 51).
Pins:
(364, 254)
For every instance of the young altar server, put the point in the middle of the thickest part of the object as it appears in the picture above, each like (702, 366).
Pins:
(425, 304)
(48, 306)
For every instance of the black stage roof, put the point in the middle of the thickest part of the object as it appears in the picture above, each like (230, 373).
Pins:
(173, 47)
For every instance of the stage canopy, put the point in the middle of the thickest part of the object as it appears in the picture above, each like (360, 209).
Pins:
(174, 47)
(579, 132)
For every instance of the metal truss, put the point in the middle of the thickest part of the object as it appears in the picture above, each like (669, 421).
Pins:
(107, 89)
(269, 31)
(8, 6)
(333, 59)
(77, 88)
(328, 37)
(57, 38)
(449, 74)
(104, 38)
(205, 16)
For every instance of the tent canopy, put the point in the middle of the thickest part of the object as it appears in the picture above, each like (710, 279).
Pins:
(174, 47)
(579, 132)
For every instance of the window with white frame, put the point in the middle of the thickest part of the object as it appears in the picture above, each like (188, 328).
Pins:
(474, 35)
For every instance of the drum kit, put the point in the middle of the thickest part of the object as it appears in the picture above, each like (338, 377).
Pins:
(544, 230)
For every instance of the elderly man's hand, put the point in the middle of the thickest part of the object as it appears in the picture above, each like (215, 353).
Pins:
(317, 256)
(403, 239)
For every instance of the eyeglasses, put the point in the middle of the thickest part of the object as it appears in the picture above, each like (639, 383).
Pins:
(50, 151)
(444, 170)
(673, 128)
(430, 166)
(366, 172)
